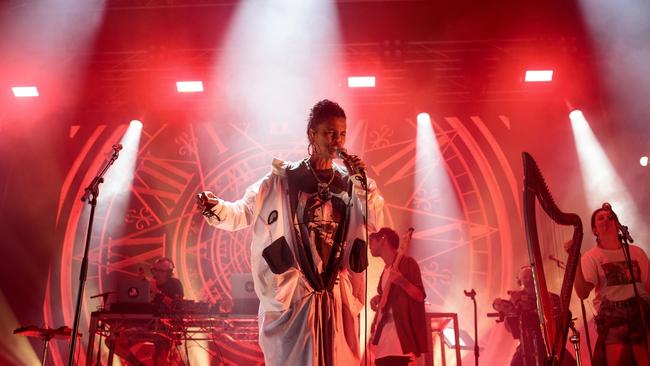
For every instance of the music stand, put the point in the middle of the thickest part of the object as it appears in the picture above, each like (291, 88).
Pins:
(437, 323)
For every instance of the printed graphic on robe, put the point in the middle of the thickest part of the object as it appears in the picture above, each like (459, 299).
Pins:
(322, 218)
(618, 273)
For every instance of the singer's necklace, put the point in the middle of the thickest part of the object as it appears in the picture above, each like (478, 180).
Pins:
(323, 188)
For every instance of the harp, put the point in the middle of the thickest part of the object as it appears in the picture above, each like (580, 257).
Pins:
(554, 327)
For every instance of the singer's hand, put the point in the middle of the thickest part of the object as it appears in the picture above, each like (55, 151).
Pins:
(206, 200)
(354, 164)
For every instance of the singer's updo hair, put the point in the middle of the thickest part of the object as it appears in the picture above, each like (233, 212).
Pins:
(323, 111)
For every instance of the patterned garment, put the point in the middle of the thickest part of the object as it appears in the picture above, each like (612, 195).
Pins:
(310, 298)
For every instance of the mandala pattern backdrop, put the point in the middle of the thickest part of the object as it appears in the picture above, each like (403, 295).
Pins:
(157, 216)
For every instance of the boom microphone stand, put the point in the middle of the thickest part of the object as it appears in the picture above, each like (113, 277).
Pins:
(91, 190)
(625, 238)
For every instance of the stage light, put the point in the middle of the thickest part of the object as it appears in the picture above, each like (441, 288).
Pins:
(577, 115)
(361, 81)
(424, 118)
(25, 91)
(189, 86)
(643, 161)
(600, 179)
(16, 349)
(538, 76)
(120, 176)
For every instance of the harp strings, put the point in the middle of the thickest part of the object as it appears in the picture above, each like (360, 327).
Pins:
(552, 237)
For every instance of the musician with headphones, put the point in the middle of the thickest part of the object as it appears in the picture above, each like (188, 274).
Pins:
(165, 288)
(167, 292)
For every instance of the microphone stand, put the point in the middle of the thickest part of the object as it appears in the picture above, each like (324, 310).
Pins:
(472, 294)
(562, 265)
(586, 325)
(625, 240)
(92, 191)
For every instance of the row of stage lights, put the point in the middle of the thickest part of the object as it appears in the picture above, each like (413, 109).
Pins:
(196, 86)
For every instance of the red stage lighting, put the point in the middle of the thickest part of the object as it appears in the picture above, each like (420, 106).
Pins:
(189, 86)
(136, 123)
(361, 81)
(643, 161)
(576, 115)
(25, 91)
(538, 76)
(424, 118)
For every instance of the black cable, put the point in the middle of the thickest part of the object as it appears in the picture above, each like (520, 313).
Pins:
(365, 308)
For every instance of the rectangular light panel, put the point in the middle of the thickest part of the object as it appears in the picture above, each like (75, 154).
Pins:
(361, 81)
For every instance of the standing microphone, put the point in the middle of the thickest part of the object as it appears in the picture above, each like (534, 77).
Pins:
(117, 147)
(622, 228)
(607, 207)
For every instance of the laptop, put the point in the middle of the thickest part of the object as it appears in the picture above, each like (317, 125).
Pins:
(133, 290)
(244, 299)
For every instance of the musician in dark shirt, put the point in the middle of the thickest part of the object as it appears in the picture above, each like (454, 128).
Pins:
(166, 289)
(167, 292)
(400, 335)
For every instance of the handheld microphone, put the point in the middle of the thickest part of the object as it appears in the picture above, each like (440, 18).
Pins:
(342, 154)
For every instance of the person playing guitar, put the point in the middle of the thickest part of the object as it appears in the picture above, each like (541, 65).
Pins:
(398, 332)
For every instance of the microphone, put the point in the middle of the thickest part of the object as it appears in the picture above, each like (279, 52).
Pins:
(607, 207)
(117, 147)
(471, 293)
(624, 233)
(342, 154)
(103, 294)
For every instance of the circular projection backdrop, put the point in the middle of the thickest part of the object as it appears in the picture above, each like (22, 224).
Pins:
(460, 196)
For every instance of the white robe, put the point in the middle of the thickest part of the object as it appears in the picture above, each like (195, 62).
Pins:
(290, 314)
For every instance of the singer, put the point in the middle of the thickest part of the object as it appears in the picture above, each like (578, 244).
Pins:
(308, 251)
(603, 269)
